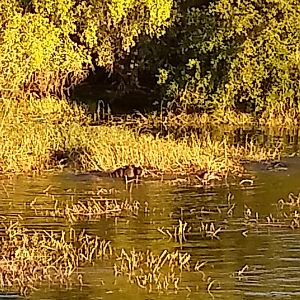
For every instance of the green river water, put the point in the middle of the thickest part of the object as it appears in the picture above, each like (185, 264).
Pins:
(272, 253)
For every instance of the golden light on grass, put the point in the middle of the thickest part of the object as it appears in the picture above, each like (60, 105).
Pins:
(153, 272)
(90, 209)
(29, 257)
(41, 134)
(282, 115)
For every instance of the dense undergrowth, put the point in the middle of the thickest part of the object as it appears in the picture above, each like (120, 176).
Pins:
(241, 55)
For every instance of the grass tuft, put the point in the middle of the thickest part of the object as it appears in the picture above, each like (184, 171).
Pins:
(42, 134)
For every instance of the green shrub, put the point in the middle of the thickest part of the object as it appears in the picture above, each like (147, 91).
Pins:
(34, 56)
(235, 54)
(48, 46)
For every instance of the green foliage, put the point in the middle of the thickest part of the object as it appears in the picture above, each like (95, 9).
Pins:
(111, 28)
(235, 54)
(36, 55)
(47, 46)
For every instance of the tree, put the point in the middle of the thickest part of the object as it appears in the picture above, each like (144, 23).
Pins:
(235, 54)
(48, 46)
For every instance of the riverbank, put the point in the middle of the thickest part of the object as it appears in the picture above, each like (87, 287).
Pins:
(47, 134)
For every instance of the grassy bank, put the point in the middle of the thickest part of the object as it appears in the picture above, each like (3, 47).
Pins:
(43, 134)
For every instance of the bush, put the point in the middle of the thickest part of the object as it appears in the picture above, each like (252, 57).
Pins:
(48, 46)
(235, 54)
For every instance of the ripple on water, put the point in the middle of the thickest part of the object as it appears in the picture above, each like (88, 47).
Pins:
(271, 254)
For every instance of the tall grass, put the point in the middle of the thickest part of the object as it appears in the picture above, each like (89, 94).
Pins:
(32, 132)
(281, 114)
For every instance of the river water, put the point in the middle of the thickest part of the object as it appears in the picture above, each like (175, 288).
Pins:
(251, 256)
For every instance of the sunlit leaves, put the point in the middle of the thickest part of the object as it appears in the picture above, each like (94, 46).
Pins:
(45, 45)
(247, 51)
(111, 28)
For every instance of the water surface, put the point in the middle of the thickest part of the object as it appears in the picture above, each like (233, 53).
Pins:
(270, 253)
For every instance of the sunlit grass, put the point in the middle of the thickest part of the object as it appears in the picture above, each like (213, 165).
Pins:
(281, 114)
(153, 272)
(30, 130)
(30, 258)
(36, 132)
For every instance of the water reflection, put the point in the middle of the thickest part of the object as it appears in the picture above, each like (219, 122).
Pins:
(269, 137)
(270, 255)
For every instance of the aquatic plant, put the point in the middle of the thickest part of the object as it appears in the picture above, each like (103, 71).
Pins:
(89, 208)
(30, 258)
(153, 272)
(287, 216)
(179, 233)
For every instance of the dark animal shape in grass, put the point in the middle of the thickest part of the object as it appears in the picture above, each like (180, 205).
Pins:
(206, 177)
(274, 165)
(130, 173)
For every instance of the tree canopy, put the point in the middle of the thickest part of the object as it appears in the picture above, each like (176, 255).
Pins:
(47, 46)
(229, 54)
(208, 55)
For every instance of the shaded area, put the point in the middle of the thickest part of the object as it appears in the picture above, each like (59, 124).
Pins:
(110, 95)
(69, 158)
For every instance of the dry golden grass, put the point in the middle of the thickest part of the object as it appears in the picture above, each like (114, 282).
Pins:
(281, 115)
(185, 122)
(41, 134)
(30, 258)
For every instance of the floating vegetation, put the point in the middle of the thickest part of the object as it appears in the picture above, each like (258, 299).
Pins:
(240, 274)
(252, 220)
(163, 273)
(30, 258)
(287, 216)
(246, 182)
(211, 222)
(290, 210)
(153, 272)
(292, 202)
(177, 232)
(210, 230)
(202, 179)
(33, 258)
(92, 208)
(54, 257)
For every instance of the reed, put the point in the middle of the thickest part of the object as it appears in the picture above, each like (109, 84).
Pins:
(89, 209)
(45, 134)
(153, 272)
(281, 114)
(286, 216)
(179, 233)
(184, 122)
(30, 258)
(32, 129)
